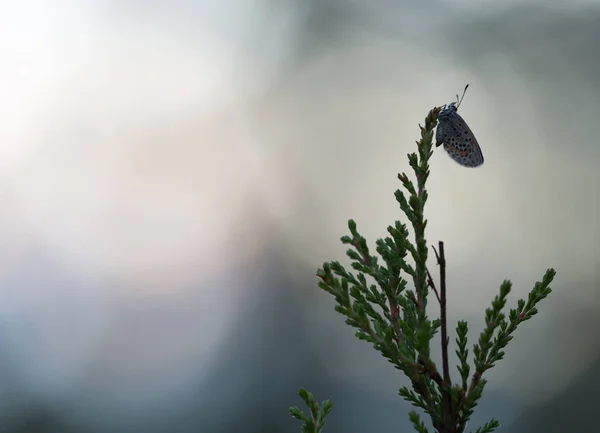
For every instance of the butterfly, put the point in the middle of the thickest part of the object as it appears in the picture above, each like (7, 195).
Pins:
(456, 136)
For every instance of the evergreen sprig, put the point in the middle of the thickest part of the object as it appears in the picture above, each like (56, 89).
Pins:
(378, 302)
(316, 421)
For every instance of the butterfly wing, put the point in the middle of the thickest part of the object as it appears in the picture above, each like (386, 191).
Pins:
(459, 141)
(441, 132)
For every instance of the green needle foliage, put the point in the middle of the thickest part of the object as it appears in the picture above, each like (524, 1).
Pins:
(315, 422)
(378, 302)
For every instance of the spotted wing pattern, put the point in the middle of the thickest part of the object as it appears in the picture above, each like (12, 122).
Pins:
(457, 138)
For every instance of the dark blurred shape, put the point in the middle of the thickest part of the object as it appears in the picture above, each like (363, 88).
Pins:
(575, 410)
(38, 418)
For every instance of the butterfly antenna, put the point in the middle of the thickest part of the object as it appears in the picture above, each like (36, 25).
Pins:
(461, 98)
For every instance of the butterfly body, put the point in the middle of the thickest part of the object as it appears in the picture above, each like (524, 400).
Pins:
(457, 138)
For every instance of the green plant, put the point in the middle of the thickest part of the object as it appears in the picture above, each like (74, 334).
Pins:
(316, 421)
(377, 302)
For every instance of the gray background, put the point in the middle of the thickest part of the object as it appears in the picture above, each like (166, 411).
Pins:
(173, 173)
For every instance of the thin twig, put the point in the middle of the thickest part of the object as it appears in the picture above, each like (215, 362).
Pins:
(432, 285)
(448, 415)
(442, 262)
(437, 256)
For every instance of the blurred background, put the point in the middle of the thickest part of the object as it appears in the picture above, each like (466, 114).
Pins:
(173, 173)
